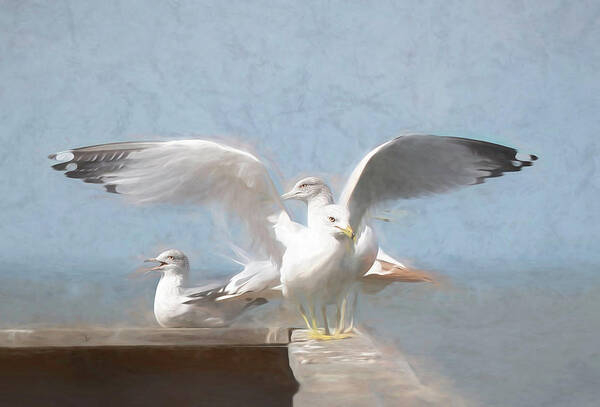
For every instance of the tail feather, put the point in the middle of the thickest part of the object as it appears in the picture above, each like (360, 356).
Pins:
(397, 272)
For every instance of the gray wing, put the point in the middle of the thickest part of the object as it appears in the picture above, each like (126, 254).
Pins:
(416, 165)
(257, 279)
(203, 290)
(97, 164)
(251, 287)
(184, 172)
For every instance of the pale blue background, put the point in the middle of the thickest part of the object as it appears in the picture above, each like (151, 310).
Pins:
(313, 86)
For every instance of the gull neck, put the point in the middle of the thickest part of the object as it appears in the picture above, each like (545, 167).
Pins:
(174, 279)
(315, 203)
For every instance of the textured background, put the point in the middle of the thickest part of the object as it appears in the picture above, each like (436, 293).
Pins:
(313, 86)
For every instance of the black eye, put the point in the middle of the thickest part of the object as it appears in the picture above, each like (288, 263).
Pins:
(331, 219)
(170, 258)
(303, 185)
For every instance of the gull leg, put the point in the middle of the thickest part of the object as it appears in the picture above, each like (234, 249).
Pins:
(326, 335)
(339, 332)
(352, 312)
(341, 316)
(316, 333)
(324, 312)
(338, 315)
(304, 317)
(311, 322)
(313, 319)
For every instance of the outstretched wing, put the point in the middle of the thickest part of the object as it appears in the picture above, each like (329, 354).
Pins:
(184, 172)
(416, 165)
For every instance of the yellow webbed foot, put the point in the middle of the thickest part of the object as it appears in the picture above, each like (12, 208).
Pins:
(320, 336)
(342, 335)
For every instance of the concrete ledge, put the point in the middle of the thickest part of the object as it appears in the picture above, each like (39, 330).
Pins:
(17, 338)
(145, 367)
(352, 372)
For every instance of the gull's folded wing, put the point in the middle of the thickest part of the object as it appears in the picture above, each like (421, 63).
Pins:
(184, 172)
(257, 279)
(201, 293)
(416, 165)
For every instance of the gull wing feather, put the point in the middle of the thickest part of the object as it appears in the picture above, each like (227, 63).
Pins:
(258, 278)
(201, 292)
(185, 172)
(387, 269)
(417, 165)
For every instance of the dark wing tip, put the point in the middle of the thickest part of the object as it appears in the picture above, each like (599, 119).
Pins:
(260, 301)
(209, 295)
(256, 302)
(93, 180)
(61, 166)
(111, 188)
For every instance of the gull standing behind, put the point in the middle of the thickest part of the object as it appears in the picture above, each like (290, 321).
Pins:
(406, 167)
(173, 307)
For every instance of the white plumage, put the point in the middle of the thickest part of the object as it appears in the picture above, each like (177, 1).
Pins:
(209, 173)
(175, 305)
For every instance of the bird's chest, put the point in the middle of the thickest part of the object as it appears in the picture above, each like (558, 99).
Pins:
(314, 261)
(167, 303)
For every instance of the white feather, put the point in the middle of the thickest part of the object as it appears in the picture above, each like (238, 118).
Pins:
(416, 165)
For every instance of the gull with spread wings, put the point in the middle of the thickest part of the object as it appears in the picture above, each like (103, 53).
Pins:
(406, 167)
(317, 263)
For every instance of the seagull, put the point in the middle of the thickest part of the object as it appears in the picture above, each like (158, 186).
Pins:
(383, 270)
(214, 174)
(316, 194)
(174, 304)
(313, 270)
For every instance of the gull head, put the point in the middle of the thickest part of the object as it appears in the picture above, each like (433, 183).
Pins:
(335, 219)
(306, 189)
(170, 261)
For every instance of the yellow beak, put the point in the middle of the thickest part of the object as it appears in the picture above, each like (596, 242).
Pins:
(348, 232)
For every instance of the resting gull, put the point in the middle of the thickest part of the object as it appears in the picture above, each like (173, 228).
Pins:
(175, 305)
